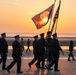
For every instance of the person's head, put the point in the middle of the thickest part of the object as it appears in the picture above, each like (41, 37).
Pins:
(49, 33)
(36, 37)
(71, 42)
(42, 35)
(17, 37)
(54, 35)
(21, 38)
(3, 35)
(28, 39)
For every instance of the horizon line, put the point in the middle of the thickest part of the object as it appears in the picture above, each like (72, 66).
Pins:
(37, 33)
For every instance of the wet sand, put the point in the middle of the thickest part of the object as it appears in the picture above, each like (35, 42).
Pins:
(66, 68)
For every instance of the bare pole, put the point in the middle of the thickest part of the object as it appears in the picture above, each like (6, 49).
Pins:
(56, 25)
(52, 27)
(51, 16)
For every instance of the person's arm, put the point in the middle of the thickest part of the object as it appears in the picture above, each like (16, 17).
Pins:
(59, 47)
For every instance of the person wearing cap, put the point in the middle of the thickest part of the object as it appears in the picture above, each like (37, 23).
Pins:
(35, 51)
(16, 54)
(41, 52)
(55, 51)
(3, 50)
(48, 51)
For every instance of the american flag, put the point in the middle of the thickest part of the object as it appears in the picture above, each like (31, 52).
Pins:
(57, 12)
(56, 16)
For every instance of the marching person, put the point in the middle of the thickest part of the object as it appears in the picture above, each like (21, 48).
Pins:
(35, 51)
(3, 50)
(48, 51)
(41, 52)
(17, 53)
(55, 52)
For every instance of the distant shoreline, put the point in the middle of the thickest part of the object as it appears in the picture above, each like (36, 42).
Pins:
(65, 48)
(63, 42)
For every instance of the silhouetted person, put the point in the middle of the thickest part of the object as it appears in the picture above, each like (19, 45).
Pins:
(3, 50)
(22, 44)
(48, 51)
(55, 52)
(35, 51)
(71, 51)
(41, 61)
(28, 46)
(17, 53)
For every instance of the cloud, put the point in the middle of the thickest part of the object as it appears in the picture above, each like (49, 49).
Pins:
(15, 3)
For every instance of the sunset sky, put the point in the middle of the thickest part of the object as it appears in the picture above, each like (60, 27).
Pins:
(15, 15)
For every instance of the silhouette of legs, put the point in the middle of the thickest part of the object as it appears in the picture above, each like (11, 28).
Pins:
(3, 61)
(28, 49)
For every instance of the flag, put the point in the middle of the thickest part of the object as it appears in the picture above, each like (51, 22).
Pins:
(57, 12)
(42, 18)
(56, 16)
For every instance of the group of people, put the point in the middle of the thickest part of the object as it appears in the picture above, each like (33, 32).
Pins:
(16, 54)
(23, 44)
(42, 48)
(46, 48)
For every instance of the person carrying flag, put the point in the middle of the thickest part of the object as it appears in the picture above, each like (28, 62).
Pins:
(55, 52)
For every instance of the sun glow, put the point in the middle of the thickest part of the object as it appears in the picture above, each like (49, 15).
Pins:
(16, 16)
(45, 19)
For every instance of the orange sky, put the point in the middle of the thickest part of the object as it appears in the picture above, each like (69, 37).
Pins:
(15, 15)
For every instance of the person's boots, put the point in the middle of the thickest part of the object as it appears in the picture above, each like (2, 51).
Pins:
(69, 58)
(73, 59)
(3, 67)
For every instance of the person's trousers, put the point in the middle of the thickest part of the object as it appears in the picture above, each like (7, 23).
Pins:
(15, 60)
(55, 61)
(3, 60)
(33, 60)
(71, 55)
(41, 60)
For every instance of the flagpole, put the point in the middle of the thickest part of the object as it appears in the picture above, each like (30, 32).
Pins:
(51, 16)
(52, 27)
(56, 25)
